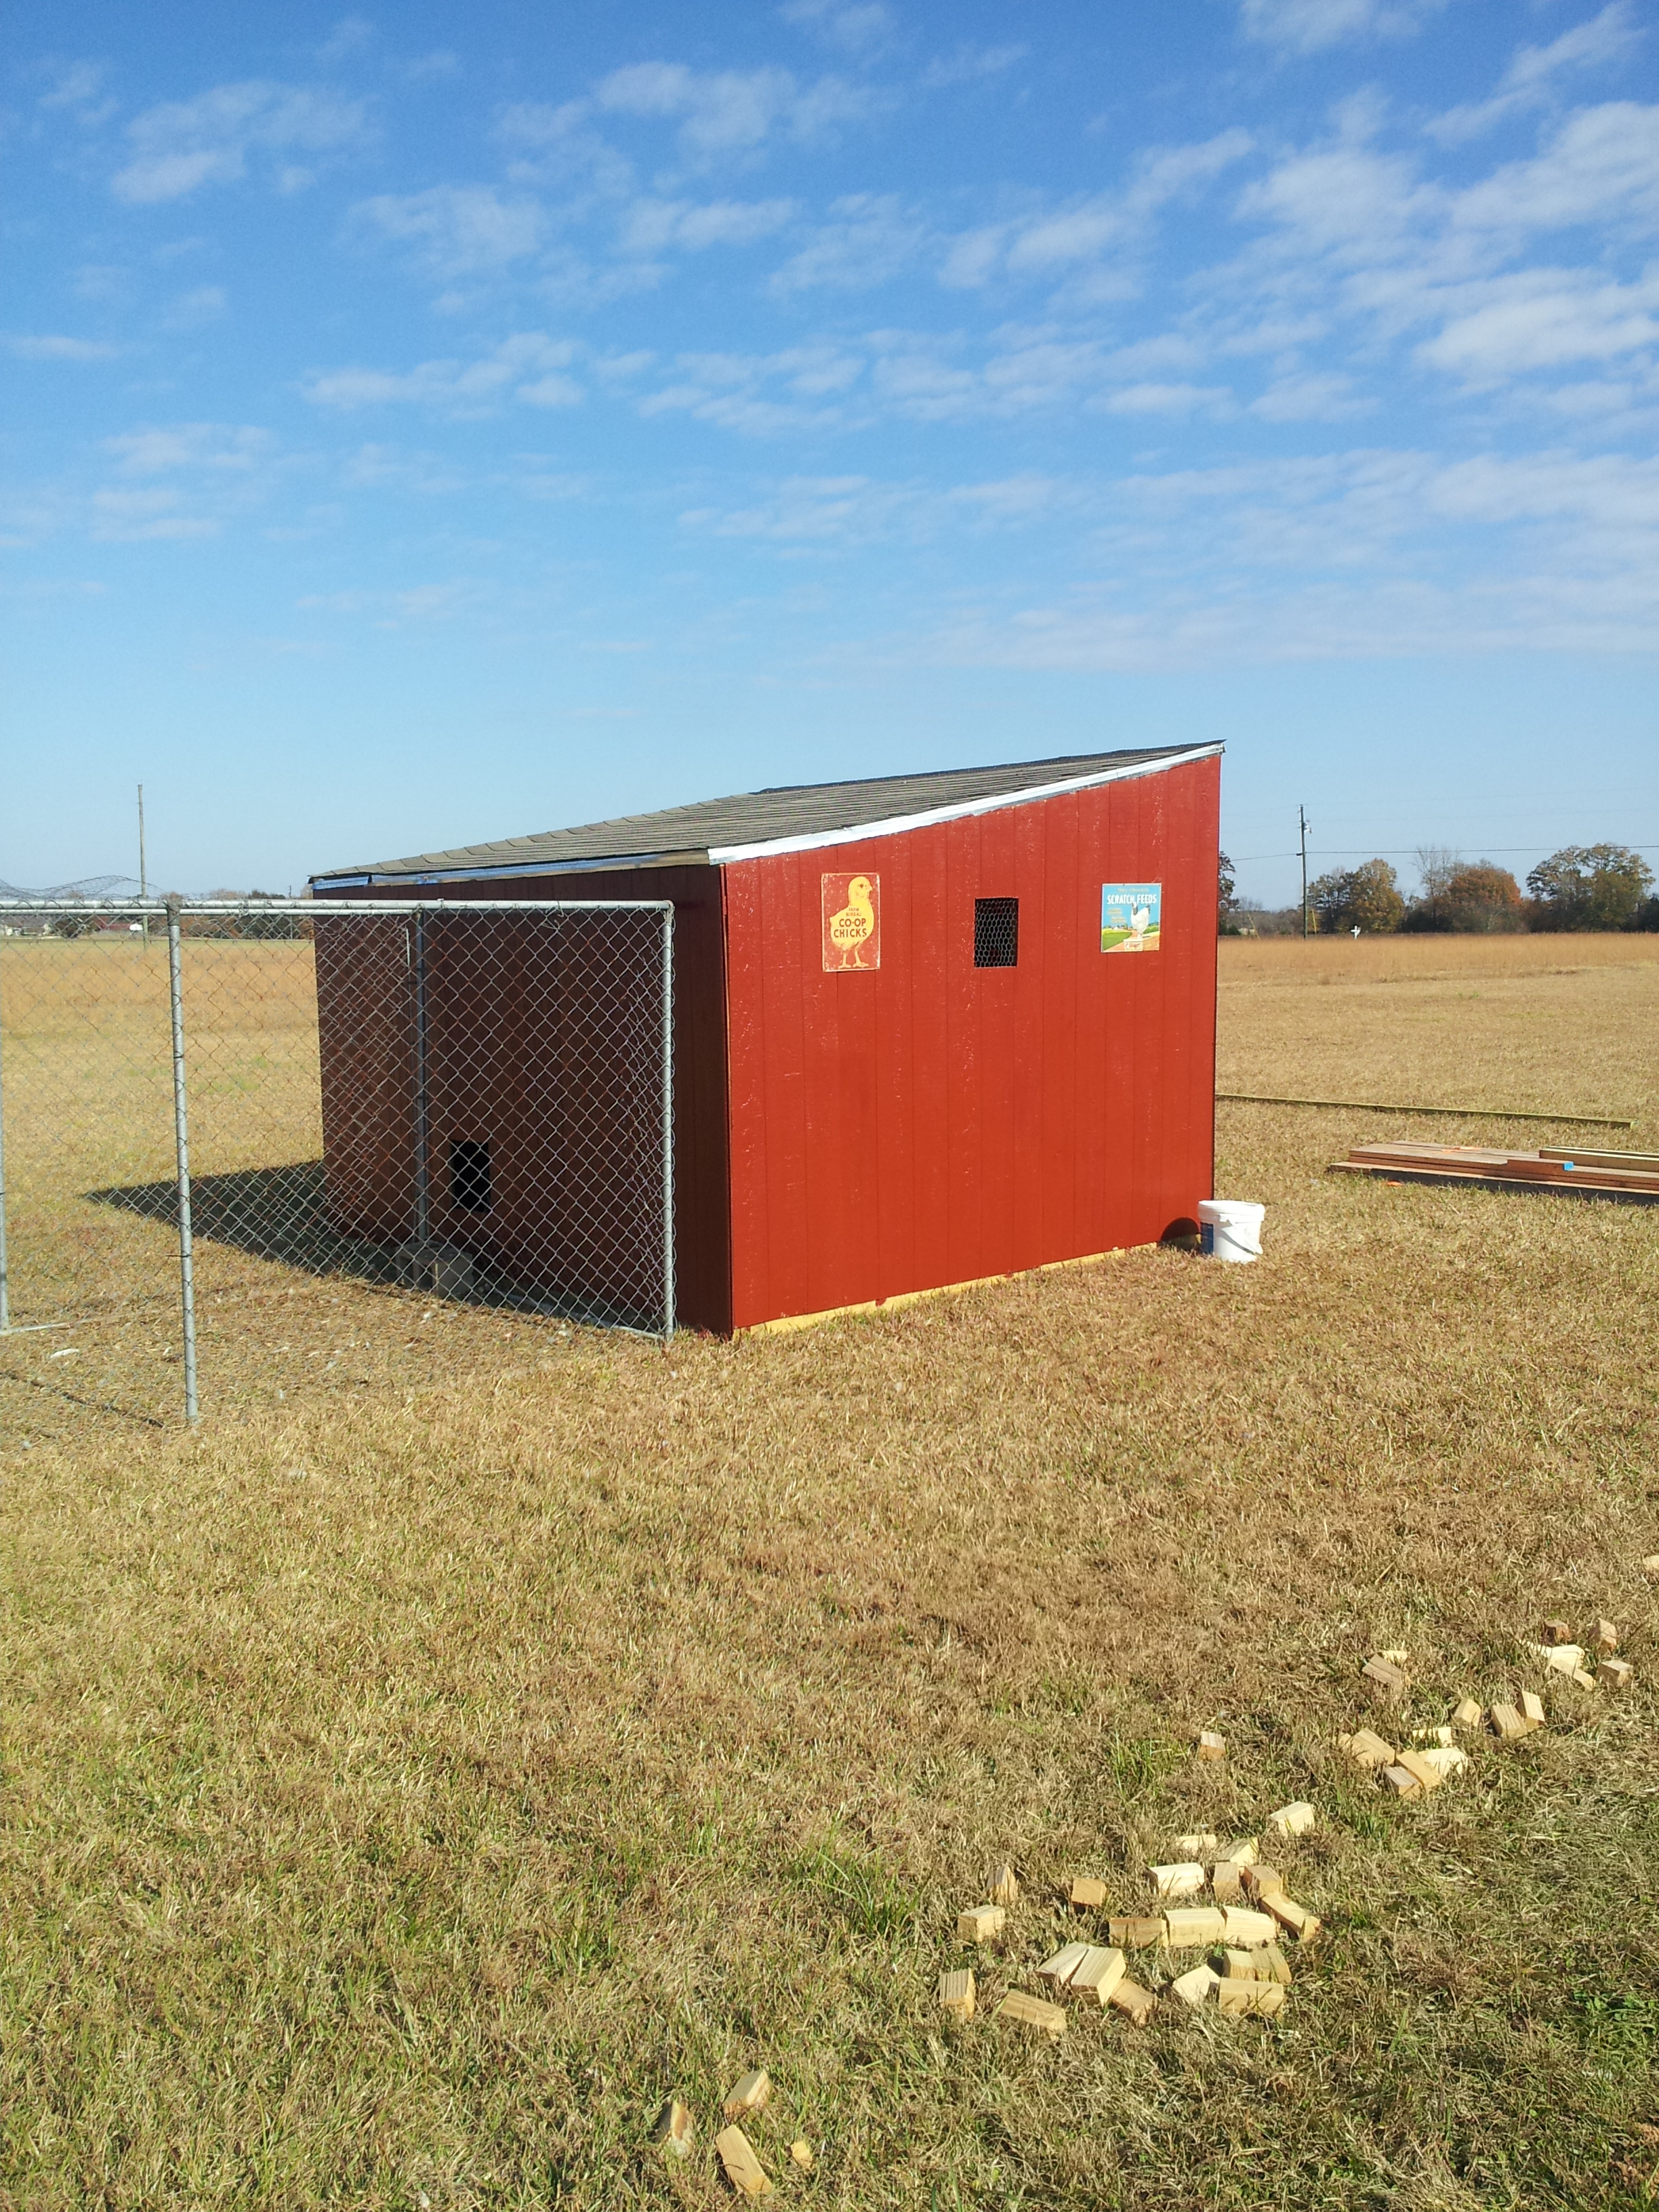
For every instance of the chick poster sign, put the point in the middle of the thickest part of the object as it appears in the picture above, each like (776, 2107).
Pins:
(852, 923)
(1129, 917)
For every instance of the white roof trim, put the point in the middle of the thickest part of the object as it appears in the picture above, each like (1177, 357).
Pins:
(896, 824)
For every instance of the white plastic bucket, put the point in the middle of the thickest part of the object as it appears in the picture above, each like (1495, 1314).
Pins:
(1230, 1227)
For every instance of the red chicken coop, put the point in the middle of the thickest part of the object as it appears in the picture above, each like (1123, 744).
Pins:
(915, 1031)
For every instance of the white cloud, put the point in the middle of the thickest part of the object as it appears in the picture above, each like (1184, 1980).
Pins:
(204, 303)
(1531, 77)
(77, 89)
(216, 447)
(732, 111)
(1310, 396)
(419, 604)
(457, 229)
(182, 144)
(869, 238)
(1168, 399)
(1542, 319)
(48, 348)
(1602, 166)
(1307, 27)
(854, 26)
(660, 226)
(530, 367)
(971, 65)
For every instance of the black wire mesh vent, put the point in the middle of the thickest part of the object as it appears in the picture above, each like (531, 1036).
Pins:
(996, 933)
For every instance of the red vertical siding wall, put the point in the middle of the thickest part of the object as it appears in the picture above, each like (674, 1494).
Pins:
(932, 1121)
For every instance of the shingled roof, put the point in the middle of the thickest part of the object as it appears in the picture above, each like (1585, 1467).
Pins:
(784, 818)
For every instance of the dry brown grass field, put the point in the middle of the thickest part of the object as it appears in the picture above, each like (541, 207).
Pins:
(410, 1781)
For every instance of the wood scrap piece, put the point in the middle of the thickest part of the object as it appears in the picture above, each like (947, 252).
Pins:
(1247, 1930)
(1403, 1782)
(1242, 1966)
(982, 1923)
(1195, 1986)
(1416, 1764)
(1262, 1881)
(1531, 1709)
(1260, 2000)
(956, 1992)
(1303, 1924)
(1650, 1563)
(1226, 1881)
(1508, 1722)
(1187, 1927)
(1210, 1744)
(1388, 1683)
(1137, 2005)
(1276, 1965)
(801, 2151)
(1562, 1658)
(750, 2096)
(1557, 1631)
(1445, 1759)
(1034, 2013)
(1430, 1739)
(1198, 1846)
(1242, 1851)
(1099, 1974)
(1367, 1750)
(1005, 1886)
(1059, 1969)
(1615, 1674)
(675, 2131)
(1136, 1932)
(743, 2169)
(1397, 1655)
(1296, 1820)
(1185, 1879)
(1467, 1713)
(1086, 1893)
(1585, 1679)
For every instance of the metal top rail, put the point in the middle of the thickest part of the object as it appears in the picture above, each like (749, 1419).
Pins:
(303, 909)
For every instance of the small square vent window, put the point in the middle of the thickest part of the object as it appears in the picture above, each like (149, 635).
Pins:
(468, 1175)
(996, 933)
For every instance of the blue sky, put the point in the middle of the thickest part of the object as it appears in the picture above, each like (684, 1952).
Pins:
(443, 424)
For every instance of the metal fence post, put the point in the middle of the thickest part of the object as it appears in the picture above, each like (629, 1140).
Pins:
(422, 1133)
(667, 1124)
(181, 1140)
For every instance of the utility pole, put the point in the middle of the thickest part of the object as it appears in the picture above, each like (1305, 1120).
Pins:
(144, 884)
(1303, 818)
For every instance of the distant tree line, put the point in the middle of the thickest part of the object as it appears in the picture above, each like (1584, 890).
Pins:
(1581, 887)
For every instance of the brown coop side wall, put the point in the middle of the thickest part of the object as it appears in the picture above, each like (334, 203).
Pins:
(374, 1147)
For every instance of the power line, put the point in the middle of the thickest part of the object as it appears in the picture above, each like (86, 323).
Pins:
(1390, 852)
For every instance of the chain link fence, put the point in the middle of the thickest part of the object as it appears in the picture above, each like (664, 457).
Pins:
(202, 1103)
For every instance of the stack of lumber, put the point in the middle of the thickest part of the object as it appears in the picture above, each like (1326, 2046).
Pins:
(1632, 1177)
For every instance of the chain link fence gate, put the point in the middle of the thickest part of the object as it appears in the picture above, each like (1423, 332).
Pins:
(203, 1101)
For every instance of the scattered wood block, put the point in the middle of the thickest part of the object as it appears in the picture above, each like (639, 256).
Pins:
(1430, 1737)
(1137, 2005)
(1367, 1750)
(1276, 1965)
(1467, 1713)
(1415, 1764)
(1136, 1932)
(676, 2131)
(1099, 1974)
(1388, 1679)
(1262, 1881)
(1445, 1759)
(1301, 1924)
(1005, 1886)
(1562, 1658)
(1403, 1782)
(956, 1992)
(1650, 1563)
(1289, 1820)
(801, 2151)
(1557, 1631)
(1247, 1930)
(1398, 1655)
(1531, 1709)
(750, 2096)
(1186, 1880)
(1086, 1893)
(743, 2169)
(1615, 1674)
(1194, 1987)
(1059, 1969)
(1242, 1965)
(1200, 1846)
(1242, 1851)
(1605, 1636)
(982, 1923)
(1034, 2013)
(1226, 1881)
(1189, 1927)
(1240, 1999)
(1508, 1723)
(1585, 1679)
(1211, 1745)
